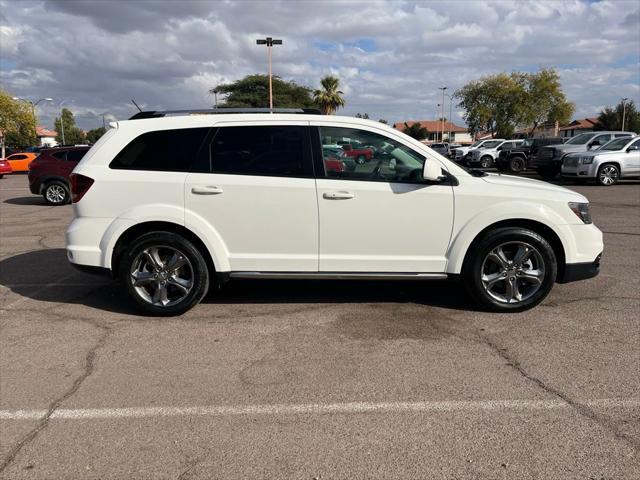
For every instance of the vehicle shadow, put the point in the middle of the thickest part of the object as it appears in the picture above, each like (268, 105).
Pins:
(33, 200)
(47, 276)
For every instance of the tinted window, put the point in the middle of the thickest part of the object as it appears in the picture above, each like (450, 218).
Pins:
(17, 157)
(369, 156)
(164, 150)
(76, 155)
(261, 150)
(60, 155)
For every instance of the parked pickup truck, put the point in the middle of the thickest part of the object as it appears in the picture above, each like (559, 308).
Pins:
(516, 160)
(486, 156)
(361, 155)
(548, 161)
(463, 153)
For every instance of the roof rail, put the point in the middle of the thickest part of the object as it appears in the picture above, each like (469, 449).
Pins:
(221, 111)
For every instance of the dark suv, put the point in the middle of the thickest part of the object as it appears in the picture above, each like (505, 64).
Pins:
(516, 159)
(49, 173)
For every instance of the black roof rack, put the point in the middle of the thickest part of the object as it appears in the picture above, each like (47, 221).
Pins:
(220, 111)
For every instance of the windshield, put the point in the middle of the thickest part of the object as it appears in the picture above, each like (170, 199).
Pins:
(476, 144)
(581, 139)
(617, 144)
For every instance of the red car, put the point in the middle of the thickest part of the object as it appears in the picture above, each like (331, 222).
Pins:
(360, 154)
(49, 173)
(5, 167)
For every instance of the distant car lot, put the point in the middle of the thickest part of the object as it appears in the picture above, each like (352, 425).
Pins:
(314, 379)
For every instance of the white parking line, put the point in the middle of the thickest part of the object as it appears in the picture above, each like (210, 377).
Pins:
(314, 409)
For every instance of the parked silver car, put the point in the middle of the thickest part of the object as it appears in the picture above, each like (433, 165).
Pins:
(619, 158)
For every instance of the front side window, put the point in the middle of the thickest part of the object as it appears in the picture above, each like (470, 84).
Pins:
(279, 151)
(581, 139)
(614, 145)
(162, 150)
(369, 156)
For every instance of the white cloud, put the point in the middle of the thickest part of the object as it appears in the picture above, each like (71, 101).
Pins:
(390, 55)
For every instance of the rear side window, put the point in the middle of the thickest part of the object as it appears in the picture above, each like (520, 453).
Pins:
(163, 150)
(60, 155)
(277, 151)
(76, 155)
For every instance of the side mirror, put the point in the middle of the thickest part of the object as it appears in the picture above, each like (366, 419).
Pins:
(633, 148)
(594, 144)
(499, 148)
(431, 171)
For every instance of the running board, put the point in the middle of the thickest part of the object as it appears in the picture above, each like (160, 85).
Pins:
(339, 276)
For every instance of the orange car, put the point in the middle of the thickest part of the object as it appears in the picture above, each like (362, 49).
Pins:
(20, 161)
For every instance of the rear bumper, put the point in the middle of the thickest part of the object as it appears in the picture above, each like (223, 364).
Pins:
(580, 271)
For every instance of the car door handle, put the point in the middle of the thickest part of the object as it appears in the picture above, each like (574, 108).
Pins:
(338, 195)
(207, 190)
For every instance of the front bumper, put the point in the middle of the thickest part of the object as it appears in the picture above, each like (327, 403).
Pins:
(579, 171)
(580, 271)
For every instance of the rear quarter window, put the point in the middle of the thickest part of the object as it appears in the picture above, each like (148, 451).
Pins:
(163, 150)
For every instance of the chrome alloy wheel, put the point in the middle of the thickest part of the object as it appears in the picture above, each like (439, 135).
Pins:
(512, 272)
(608, 175)
(162, 275)
(55, 193)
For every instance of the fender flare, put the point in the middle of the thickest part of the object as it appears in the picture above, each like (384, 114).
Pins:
(503, 212)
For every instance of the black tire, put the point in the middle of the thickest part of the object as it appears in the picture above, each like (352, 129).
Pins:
(548, 173)
(361, 159)
(608, 174)
(486, 161)
(56, 192)
(1, 176)
(517, 164)
(167, 241)
(507, 239)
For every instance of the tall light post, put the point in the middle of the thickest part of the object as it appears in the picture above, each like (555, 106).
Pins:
(269, 42)
(442, 135)
(624, 111)
(215, 96)
(450, 105)
(33, 110)
(438, 113)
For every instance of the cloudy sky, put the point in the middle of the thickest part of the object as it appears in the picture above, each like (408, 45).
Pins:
(391, 56)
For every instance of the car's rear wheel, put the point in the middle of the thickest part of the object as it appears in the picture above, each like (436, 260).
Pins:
(486, 161)
(608, 174)
(516, 164)
(510, 269)
(56, 193)
(164, 274)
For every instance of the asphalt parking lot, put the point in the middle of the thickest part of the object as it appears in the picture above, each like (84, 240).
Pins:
(316, 380)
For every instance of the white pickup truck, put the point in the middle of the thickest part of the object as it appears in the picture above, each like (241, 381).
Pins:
(462, 153)
(486, 156)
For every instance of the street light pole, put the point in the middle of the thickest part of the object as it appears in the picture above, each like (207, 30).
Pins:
(269, 42)
(33, 110)
(624, 111)
(450, 106)
(442, 135)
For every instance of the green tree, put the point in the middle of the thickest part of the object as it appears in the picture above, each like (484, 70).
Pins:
(94, 134)
(253, 92)
(362, 115)
(382, 120)
(610, 118)
(16, 121)
(72, 134)
(415, 130)
(545, 102)
(329, 97)
(500, 103)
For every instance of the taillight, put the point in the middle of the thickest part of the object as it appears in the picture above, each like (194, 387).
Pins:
(79, 186)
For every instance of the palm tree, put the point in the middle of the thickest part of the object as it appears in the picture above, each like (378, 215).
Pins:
(329, 98)
(415, 130)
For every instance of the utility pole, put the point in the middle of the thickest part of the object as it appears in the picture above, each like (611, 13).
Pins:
(33, 111)
(624, 111)
(442, 135)
(269, 42)
(62, 127)
(449, 119)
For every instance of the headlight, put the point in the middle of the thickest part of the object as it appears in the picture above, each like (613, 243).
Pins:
(587, 160)
(581, 210)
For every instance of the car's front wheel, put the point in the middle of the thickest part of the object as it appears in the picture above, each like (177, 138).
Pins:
(608, 175)
(510, 269)
(56, 193)
(164, 274)
(486, 161)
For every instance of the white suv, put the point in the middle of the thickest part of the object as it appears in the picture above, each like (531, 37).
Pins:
(486, 155)
(172, 203)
